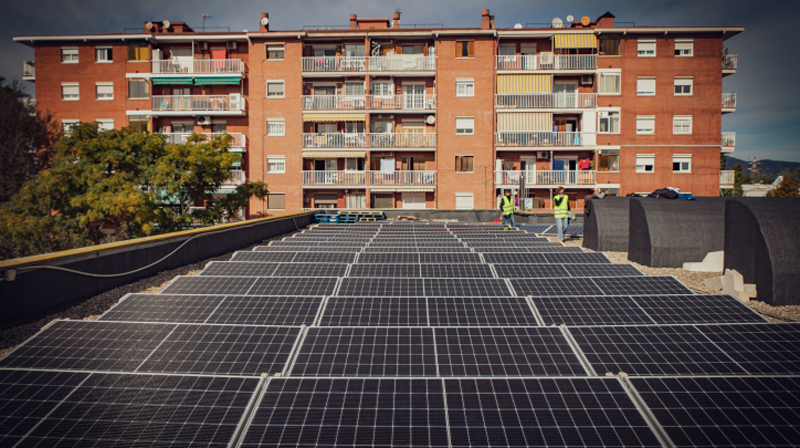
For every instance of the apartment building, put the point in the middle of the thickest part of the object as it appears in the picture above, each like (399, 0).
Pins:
(381, 114)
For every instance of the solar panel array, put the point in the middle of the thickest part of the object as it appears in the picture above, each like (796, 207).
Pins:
(409, 334)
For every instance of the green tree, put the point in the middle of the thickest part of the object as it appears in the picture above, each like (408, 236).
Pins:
(26, 139)
(789, 187)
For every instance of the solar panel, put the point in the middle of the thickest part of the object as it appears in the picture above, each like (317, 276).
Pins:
(502, 243)
(459, 258)
(653, 350)
(324, 257)
(302, 248)
(530, 270)
(576, 258)
(770, 349)
(602, 270)
(558, 248)
(404, 257)
(375, 311)
(543, 412)
(456, 271)
(294, 286)
(381, 287)
(350, 412)
(418, 249)
(71, 409)
(505, 351)
(535, 228)
(642, 285)
(223, 350)
(263, 257)
(310, 269)
(209, 285)
(479, 311)
(163, 308)
(725, 411)
(503, 258)
(366, 351)
(590, 310)
(239, 269)
(385, 270)
(458, 287)
(696, 308)
(555, 287)
(267, 310)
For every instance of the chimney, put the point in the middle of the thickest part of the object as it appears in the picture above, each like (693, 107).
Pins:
(396, 20)
(263, 25)
(487, 21)
(353, 22)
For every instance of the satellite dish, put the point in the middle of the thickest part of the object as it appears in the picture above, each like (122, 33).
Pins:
(166, 24)
(518, 26)
(557, 23)
(148, 25)
(265, 21)
(430, 119)
(585, 20)
(570, 18)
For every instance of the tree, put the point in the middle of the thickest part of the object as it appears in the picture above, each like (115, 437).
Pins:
(133, 183)
(788, 188)
(26, 139)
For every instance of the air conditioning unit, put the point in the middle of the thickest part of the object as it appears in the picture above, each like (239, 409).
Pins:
(204, 120)
(543, 155)
(232, 45)
(587, 80)
(236, 101)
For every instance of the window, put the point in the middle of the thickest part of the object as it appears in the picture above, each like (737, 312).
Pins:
(465, 201)
(381, 88)
(138, 88)
(275, 52)
(609, 83)
(645, 163)
(609, 122)
(683, 86)
(103, 54)
(69, 55)
(465, 87)
(646, 86)
(646, 48)
(105, 125)
(68, 125)
(276, 127)
(354, 89)
(276, 164)
(682, 163)
(105, 90)
(682, 124)
(465, 125)
(465, 49)
(138, 52)
(464, 164)
(140, 123)
(608, 160)
(330, 200)
(276, 201)
(354, 164)
(645, 124)
(684, 48)
(70, 91)
(610, 46)
(275, 89)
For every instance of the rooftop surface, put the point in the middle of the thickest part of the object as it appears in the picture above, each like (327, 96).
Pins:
(409, 334)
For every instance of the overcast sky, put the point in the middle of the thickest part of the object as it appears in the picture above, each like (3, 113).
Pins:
(767, 120)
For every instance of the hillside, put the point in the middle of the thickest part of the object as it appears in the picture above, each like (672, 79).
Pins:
(771, 168)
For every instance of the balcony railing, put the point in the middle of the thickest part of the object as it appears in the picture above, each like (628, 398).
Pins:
(371, 102)
(547, 61)
(237, 178)
(238, 140)
(198, 66)
(29, 70)
(359, 140)
(729, 101)
(730, 62)
(369, 178)
(546, 177)
(402, 63)
(198, 103)
(543, 138)
(726, 178)
(728, 140)
(546, 100)
(335, 64)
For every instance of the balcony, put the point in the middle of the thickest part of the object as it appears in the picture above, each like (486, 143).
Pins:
(370, 102)
(547, 61)
(233, 104)
(237, 178)
(546, 100)
(29, 71)
(728, 142)
(238, 140)
(362, 140)
(402, 63)
(365, 179)
(544, 138)
(730, 63)
(198, 67)
(726, 178)
(728, 102)
(335, 64)
(547, 177)
(402, 140)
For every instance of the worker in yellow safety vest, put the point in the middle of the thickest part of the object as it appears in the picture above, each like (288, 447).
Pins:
(561, 207)
(507, 209)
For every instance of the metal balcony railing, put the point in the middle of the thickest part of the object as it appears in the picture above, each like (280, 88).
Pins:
(198, 66)
(546, 100)
(730, 62)
(402, 63)
(402, 140)
(546, 177)
(238, 140)
(28, 70)
(369, 102)
(547, 61)
(369, 178)
(335, 64)
(726, 178)
(361, 140)
(335, 140)
(543, 138)
(728, 139)
(198, 103)
(729, 101)
(237, 178)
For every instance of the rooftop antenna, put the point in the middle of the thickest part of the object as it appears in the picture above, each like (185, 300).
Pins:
(206, 16)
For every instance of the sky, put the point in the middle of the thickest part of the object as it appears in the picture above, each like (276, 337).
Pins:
(766, 121)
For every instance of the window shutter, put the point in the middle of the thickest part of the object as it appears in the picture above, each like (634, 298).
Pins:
(470, 49)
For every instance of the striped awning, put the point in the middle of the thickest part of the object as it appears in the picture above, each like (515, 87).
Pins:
(173, 81)
(521, 122)
(333, 154)
(226, 80)
(574, 40)
(333, 117)
(402, 189)
(524, 83)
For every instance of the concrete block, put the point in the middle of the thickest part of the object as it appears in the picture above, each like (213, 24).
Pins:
(713, 262)
(733, 285)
